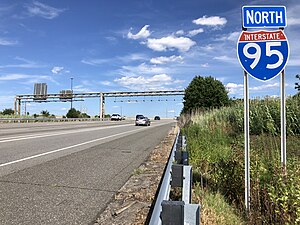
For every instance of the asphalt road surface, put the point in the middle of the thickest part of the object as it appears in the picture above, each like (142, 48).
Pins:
(66, 173)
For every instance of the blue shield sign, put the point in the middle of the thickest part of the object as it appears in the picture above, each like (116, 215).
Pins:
(263, 54)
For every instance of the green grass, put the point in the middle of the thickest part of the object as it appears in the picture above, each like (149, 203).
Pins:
(215, 209)
(215, 143)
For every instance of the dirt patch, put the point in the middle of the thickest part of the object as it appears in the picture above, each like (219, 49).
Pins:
(131, 204)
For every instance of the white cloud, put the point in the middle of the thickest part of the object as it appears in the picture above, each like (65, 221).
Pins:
(6, 42)
(164, 59)
(57, 69)
(179, 32)
(230, 37)
(9, 77)
(25, 78)
(111, 39)
(234, 88)
(226, 58)
(95, 62)
(143, 69)
(138, 83)
(106, 83)
(233, 36)
(116, 60)
(195, 32)
(264, 87)
(26, 64)
(293, 15)
(81, 88)
(208, 48)
(294, 62)
(204, 65)
(142, 34)
(293, 21)
(237, 89)
(132, 57)
(183, 44)
(211, 21)
(43, 10)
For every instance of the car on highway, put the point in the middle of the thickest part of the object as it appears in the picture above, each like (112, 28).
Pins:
(156, 118)
(142, 120)
(116, 117)
(137, 116)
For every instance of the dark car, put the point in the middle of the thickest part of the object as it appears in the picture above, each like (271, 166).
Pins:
(142, 120)
(156, 118)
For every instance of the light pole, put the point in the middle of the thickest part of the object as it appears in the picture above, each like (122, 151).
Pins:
(71, 91)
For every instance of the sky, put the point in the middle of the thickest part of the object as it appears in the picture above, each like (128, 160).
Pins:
(136, 45)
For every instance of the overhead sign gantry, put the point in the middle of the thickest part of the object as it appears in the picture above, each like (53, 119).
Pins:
(68, 96)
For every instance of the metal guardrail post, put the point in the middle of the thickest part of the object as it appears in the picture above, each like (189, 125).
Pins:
(177, 174)
(172, 212)
(187, 184)
(191, 214)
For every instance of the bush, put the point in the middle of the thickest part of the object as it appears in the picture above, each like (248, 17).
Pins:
(73, 113)
(8, 112)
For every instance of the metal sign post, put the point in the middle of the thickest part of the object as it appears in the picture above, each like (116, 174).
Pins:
(283, 121)
(247, 142)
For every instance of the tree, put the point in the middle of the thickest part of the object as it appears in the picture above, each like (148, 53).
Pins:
(205, 93)
(73, 113)
(84, 115)
(297, 85)
(45, 113)
(8, 112)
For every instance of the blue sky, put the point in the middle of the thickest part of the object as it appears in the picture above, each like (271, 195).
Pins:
(135, 45)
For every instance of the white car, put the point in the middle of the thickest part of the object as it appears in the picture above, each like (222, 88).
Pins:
(116, 117)
(142, 120)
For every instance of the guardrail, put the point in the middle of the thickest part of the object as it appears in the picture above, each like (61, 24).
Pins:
(177, 174)
(30, 120)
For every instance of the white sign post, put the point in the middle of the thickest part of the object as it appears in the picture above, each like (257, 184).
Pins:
(263, 55)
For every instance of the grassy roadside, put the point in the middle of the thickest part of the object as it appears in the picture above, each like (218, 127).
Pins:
(215, 144)
(214, 208)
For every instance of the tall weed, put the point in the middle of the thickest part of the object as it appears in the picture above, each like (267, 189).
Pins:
(215, 144)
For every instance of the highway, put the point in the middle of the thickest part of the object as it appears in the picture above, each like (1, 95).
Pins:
(66, 173)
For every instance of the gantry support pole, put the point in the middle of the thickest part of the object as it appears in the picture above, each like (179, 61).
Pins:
(17, 106)
(101, 113)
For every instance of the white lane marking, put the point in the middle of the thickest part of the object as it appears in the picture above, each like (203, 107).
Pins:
(65, 148)
(32, 136)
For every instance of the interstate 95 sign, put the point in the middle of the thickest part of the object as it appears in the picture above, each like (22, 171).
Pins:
(263, 54)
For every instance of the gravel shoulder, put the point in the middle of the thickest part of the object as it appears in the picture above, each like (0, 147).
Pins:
(131, 204)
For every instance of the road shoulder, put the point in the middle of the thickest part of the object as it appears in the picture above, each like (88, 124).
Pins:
(131, 204)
